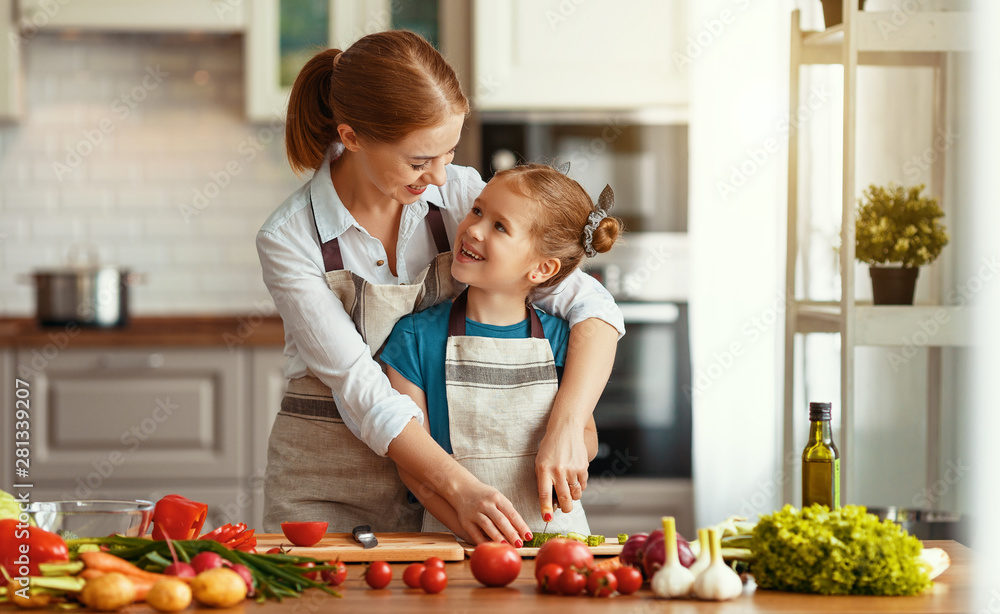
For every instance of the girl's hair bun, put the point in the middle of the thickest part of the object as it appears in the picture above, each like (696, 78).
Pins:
(606, 233)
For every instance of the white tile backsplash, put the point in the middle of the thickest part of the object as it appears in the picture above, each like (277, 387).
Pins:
(117, 140)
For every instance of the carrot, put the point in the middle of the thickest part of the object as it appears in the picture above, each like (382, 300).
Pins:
(105, 562)
(609, 564)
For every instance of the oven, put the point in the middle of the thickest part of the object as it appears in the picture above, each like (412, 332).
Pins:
(643, 466)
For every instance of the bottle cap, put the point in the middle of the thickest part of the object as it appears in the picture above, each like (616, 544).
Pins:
(820, 411)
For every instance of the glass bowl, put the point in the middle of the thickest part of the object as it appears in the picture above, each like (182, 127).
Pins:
(94, 518)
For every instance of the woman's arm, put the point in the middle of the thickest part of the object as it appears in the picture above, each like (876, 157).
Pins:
(564, 454)
(432, 502)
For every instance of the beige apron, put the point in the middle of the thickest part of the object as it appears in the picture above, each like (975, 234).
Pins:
(500, 393)
(317, 469)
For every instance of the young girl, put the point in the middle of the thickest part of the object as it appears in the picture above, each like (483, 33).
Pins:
(484, 366)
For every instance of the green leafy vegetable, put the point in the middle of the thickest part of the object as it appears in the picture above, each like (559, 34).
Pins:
(844, 552)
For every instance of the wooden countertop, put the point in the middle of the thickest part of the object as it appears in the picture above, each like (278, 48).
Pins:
(952, 593)
(167, 331)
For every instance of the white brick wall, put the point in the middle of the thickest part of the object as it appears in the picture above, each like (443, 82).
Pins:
(110, 150)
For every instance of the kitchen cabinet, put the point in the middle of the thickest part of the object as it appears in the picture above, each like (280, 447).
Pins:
(872, 39)
(136, 422)
(134, 15)
(11, 73)
(596, 55)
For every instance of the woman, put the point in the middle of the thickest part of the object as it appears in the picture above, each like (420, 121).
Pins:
(363, 243)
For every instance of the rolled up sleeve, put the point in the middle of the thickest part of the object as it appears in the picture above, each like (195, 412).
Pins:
(580, 297)
(328, 342)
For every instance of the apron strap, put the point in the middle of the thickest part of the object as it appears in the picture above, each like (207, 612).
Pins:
(334, 261)
(456, 318)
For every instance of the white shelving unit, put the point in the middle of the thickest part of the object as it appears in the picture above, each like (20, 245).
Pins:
(875, 39)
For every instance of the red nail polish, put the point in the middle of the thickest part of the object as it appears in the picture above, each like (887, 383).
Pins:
(518, 544)
(547, 517)
(503, 541)
(527, 536)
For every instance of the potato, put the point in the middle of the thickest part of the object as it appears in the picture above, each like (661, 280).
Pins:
(219, 588)
(108, 593)
(169, 595)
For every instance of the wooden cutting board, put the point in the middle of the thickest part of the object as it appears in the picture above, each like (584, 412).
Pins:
(612, 548)
(391, 547)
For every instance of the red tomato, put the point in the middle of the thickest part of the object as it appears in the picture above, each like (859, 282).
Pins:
(602, 583)
(337, 575)
(433, 580)
(495, 564)
(304, 533)
(547, 577)
(629, 580)
(563, 552)
(275, 551)
(411, 576)
(571, 582)
(434, 562)
(378, 574)
(314, 576)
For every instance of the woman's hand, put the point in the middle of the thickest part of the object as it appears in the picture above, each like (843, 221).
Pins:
(562, 464)
(485, 514)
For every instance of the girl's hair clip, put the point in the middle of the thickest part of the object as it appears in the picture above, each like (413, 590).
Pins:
(604, 204)
(563, 168)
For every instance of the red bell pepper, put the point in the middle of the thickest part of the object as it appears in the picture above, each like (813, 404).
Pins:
(177, 517)
(23, 548)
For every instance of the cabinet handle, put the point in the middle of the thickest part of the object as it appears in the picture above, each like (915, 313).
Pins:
(112, 361)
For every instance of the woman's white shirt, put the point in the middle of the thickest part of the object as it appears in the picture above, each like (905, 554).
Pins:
(319, 333)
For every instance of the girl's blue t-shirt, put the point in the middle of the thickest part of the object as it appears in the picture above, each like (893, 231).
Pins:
(418, 343)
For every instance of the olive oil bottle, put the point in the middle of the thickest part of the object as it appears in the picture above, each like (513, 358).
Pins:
(820, 461)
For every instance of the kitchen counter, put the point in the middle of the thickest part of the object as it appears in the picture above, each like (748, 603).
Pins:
(952, 593)
(167, 331)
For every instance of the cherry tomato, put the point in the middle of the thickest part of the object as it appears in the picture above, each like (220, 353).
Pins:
(274, 551)
(412, 573)
(548, 576)
(434, 562)
(337, 575)
(571, 582)
(378, 574)
(563, 552)
(433, 580)
(629, 580)
(495, 564)
(314, 576)
(601, 583)
(304, 533)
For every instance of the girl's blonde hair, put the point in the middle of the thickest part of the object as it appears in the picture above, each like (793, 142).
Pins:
(384, 86)
(563, 209)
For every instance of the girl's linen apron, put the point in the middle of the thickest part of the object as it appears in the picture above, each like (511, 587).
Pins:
(500, 394)
(317, 469)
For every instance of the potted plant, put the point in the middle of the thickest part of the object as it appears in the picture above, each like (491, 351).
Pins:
(833, 12)
(898, 227)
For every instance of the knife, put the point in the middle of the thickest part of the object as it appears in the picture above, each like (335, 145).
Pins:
(364, 536)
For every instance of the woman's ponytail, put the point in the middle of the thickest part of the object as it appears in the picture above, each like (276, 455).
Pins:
(311, 123)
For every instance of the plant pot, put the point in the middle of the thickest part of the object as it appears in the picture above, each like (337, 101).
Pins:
(833, 13)
(893, 285)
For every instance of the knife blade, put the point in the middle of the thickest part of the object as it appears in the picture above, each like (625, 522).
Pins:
(364, 536)
(555, 504)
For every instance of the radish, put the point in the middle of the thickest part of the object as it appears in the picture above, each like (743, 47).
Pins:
(180, 569)
(204, 561)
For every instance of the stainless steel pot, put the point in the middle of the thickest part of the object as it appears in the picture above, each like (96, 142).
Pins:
(84, 294)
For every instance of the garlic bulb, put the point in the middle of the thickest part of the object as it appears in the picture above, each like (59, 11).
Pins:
(673, 579)
(704, 554)
(718, 582)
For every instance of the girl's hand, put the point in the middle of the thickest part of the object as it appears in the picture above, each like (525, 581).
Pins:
(561, 463)
(485, 514)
